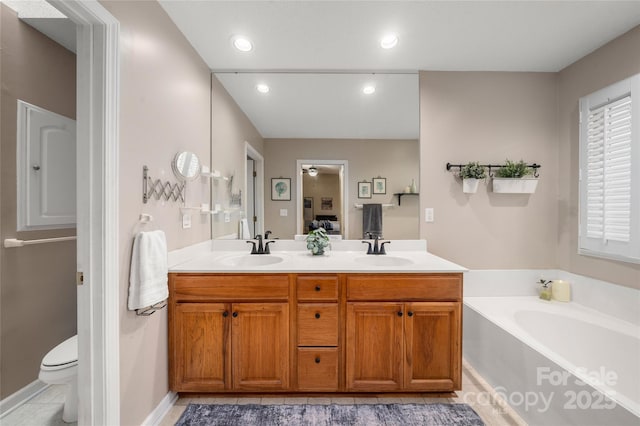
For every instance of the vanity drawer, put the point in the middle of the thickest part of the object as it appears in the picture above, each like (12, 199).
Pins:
(318, 324)
(318, 369)
(312, 288)
(231, 287)
(391, 287)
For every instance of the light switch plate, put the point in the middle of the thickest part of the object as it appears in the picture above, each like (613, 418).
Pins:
(186, 221)
(227, 217)
(284, 212)
(428, 214)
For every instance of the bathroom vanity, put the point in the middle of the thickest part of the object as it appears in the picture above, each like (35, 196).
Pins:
(306, 324)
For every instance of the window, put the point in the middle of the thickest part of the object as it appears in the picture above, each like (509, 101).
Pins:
(610, 172)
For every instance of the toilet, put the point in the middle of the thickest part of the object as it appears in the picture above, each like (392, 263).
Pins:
(60, 366)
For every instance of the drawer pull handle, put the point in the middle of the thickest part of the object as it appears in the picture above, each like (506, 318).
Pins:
(410, 313)
(399, 313)
(318, 360)
(235, 314)
(317, 288)
(225, 314)
(317, 315)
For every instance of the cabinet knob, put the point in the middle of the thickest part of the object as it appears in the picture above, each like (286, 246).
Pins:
(399, 313)
(317, 315)
(225, 314)
(410, 313)
(36, 167)
(317, 288)
(235, 314)
(318, 360)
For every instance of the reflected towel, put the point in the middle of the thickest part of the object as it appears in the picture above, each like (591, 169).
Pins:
(148, 277)
(372, 220)
(245, 234)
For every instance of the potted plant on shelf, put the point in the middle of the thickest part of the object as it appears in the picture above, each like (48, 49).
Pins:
(515, 178)
(317, 241)
(471, 175)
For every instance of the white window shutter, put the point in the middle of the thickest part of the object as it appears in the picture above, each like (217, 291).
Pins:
(610, 172)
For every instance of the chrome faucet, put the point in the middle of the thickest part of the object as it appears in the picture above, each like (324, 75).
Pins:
(376, 249)
(260, 249)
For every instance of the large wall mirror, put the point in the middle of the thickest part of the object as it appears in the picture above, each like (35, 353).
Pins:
(334, 117)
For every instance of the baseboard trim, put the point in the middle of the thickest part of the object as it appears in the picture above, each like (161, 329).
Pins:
(18, 398)
(155, 417)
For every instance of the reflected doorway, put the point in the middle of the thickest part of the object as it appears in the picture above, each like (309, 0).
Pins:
(254, 190)
(322, 195)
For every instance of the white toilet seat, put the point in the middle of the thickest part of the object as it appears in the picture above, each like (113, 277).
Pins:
(60, 366)
(65, 355)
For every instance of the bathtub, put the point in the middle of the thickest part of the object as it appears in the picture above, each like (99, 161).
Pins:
(555, 363)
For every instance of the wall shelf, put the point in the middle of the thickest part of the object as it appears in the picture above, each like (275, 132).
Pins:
(400, 194)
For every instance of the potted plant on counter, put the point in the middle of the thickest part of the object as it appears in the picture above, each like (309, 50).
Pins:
(317, 241)
(471, 175)
(515, 178)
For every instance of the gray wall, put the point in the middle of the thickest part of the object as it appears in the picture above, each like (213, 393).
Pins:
(396, 160)
(614, 61)
(488, 117)
(165, 91)
(230, 129)
(37, 283)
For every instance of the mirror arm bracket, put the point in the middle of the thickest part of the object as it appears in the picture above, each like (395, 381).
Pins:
(167, 191)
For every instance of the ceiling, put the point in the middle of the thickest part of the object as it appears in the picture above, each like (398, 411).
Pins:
(342, 38)
(434, 35)
(317, 55)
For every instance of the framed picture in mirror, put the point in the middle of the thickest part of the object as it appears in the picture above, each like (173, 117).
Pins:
(379, 185)
(364, 189)
(281, 189)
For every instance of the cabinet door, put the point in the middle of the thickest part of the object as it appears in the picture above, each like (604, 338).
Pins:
(432, 339)
(374, 346)
(200, 359)
(260, 346)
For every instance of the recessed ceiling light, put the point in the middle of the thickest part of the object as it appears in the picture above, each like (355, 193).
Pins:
(243, 44)
(262, 88)
(368, 90)
(389, 41)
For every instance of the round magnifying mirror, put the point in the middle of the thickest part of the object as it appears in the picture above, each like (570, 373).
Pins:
(186, 165)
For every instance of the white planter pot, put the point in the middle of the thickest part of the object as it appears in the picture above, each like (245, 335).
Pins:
(515, 185)
(470, 185)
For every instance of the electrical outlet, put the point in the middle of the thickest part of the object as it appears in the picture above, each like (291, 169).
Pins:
(284, 212)
(186, 221)
(227, 217)
(428, 214)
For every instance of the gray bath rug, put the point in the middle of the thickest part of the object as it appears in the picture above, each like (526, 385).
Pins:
(325, 415)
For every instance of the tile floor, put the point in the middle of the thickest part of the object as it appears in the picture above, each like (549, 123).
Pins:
(45, 409)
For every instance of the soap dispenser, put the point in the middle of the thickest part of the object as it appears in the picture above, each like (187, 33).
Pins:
(545, 290)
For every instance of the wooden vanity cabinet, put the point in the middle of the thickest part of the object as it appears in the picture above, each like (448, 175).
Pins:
(404, 333)
(315, 332)
(229, 332)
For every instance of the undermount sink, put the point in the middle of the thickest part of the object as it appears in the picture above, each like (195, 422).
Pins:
(383, 260)
(251, 260)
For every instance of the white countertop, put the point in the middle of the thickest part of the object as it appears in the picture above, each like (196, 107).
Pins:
(295, 259)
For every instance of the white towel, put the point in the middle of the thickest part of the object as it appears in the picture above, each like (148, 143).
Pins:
(244, 229)
(148, 277)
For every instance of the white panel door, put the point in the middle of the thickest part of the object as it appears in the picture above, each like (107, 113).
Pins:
(46, 169)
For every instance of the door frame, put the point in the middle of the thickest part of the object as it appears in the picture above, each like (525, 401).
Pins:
(97, 105)
(251, 152)
(344, 191)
